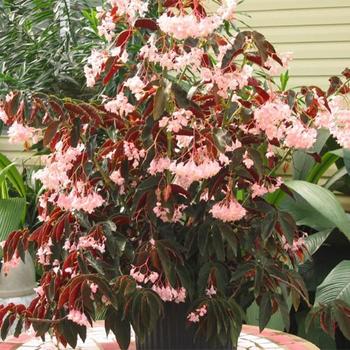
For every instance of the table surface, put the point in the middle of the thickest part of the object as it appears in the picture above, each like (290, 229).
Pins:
(250, 339)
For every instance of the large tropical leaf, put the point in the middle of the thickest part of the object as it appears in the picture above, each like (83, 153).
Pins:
(12, 212)
(336, 285)
(303, 162)
(315, 241)
(315, 207)
(13, 175)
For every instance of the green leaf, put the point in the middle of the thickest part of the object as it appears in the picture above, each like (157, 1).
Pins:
(13, 175)
(343, 320)
(320, 168)
(336, 177)
(303, 162)
(120, 327)
(160, 100)
(5, 327)
(265, 311)
(320, 203)
(288, 226)
(336, 286)
(11, 214)
(314, 242)
(346, 157)
(219, 136)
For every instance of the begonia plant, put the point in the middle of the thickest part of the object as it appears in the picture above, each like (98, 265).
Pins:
(159, 193)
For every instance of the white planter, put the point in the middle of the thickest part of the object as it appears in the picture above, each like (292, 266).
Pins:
(17, 286)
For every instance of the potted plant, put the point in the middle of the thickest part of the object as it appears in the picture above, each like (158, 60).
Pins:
(155, 200)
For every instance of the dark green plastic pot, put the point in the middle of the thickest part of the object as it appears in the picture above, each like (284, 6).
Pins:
(173, 332)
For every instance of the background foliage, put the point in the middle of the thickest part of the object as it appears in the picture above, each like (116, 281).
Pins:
(43, 45)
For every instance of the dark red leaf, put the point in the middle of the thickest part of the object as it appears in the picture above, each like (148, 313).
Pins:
(146, 23)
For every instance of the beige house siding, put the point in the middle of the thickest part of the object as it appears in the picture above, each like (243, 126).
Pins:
(16, 153)
(316, 31)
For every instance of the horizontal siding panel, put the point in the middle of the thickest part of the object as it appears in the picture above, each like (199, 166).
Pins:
(318, 67)
(296, 81)
(301, 34)
(16, 154)
(328, 50)
(276, 18)
(251, 5)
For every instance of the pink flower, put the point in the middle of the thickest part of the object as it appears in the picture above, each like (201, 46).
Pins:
(8, 265)
(19, 133)
(39, 291)
(94, 65)
(258, 190)
(247, 161)
(200, 312)
(78, 317)
(120, 105)
(136, 86)
(44, 253)
(185, 26)
(117, 178)
(270, 118)
(298, 136)
(168, 293)
(178, 120)
(133, 153)
(107, 27)
(137, 275)
(90, 242)
(193, 317)
(210, 291)
(93, 287)
(186, 173)
(275, 68)
(158, 165)
(228, 211)
(3, 116)
(130, 8)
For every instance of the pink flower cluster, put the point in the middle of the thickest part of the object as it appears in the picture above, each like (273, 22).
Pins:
(80, 200)
(178, 120)
(159, 165)
(247, 161)
(196, 315)
(44, 253)
(229, 81)
(136, 86)
(300, 137)
(94, 66)
(258, 190)
(54, 175)
(189, 172)
(18, 133)
(164, 213)
(86, 242)
(119, 105)
(338, 120)
(228, 211)
(188, 26)
(275, 119)
(107, 25)
(168, 293)
(150, 276)
(172, 60)
(133, 153)
(78, 317)
(117, 178)
(130, 8)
